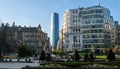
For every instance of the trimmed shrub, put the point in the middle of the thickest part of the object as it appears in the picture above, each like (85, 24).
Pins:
(111, 55)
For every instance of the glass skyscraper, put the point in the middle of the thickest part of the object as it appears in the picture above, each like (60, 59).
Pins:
(54, 30)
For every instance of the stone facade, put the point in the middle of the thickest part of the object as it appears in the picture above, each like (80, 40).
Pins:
(14, 36)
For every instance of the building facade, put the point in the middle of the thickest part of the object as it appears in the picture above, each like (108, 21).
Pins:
(54, 30)
(84, 27)
(47, 43)
(14, 36)
(117, 33)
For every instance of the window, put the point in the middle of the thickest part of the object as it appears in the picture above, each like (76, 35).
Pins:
(89, 46)
(73, 11)
(91, 31)
(99, 11)
(66, 46)
(100, 31)
(67, 36)
(97, 16)
(93, 16)
(73, 16)
(73, 20)
(76, 30)
(93, 36)
(76, 11)
(95, 41)
(76, 20)
(87, 21)
(100, 36)
(73, 30)
(85, 46)
(67, 41)
(95, 31)
(98, 21)
(92, 11)
(93, 26)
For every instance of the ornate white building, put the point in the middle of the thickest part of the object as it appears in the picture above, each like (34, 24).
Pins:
(84, 27)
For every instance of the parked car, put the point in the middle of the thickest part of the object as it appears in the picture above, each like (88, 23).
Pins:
(56, 58)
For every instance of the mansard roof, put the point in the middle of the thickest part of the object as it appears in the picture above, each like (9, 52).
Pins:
(25, 29)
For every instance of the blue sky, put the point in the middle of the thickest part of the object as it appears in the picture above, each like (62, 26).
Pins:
(34, 12)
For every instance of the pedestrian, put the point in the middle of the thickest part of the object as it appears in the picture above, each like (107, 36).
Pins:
(25, 59)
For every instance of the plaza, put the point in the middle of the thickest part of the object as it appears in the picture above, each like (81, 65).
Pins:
(17, 65)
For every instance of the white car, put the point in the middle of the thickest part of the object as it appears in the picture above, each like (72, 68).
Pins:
(56, 58)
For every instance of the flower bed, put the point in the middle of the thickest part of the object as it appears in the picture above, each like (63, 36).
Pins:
(92, 65)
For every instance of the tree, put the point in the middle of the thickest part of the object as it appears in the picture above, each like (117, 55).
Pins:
(92, 48)
(42, 56)
(24, 51)
(117, 49)
(104, 51)
(86, 57)
(111, 55)
(91, 56)
(48, 58)
(57, 52)
(76, 56)
(0, 55)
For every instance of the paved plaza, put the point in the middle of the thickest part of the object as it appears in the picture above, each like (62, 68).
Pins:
(16, 65)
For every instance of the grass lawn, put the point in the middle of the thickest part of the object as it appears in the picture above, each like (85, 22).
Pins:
(105, 57)
(101, 57)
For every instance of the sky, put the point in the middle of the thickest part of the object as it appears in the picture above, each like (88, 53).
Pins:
(35, 12)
